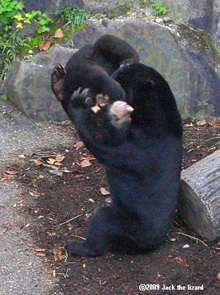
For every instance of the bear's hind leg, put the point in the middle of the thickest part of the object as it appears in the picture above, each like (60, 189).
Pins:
(106, 230)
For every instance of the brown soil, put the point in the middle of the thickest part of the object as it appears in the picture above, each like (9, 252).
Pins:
(53, 200)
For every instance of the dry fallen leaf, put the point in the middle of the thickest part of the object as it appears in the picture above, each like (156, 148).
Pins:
(40, 250)
(58, 33)
(188, 125)
(51, 161)
(59, 158)
(58, 255)
(44, 45)
(215, 122)
(50, 234)
(218, 275)
(41, 45)
(37, 162)
(85, 163)
(104, 192)
(78, 145)
(181, 261)
(6, 176)
(201, 123)
(10, 172)
(88, 158)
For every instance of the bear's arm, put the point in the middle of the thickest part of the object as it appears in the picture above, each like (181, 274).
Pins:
(102, 129)
(150, 96)
(116, 50)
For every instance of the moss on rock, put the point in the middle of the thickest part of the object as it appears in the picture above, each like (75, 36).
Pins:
(201, 40)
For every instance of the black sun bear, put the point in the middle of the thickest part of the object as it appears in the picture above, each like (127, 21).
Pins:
(140, 143)
(92, 66)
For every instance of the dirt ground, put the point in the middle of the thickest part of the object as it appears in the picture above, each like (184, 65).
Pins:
(60, 190)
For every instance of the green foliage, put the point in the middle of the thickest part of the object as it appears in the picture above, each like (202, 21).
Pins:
(202, 105)
(10, 46)
(74, 16)
(29, 58)
(8, 9)
(42, 19)
(159, 8)
(4, 96)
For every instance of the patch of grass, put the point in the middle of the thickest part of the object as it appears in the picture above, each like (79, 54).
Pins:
(159, 8)
(74, 17)
(10, 46)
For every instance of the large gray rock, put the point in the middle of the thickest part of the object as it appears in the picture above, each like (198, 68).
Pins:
(199, 203)
(51, 6)
(28, 85)
(202, 14)
(191, 70)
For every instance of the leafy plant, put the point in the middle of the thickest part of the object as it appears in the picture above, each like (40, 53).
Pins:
(159, 8)
(42, 19)
(4, 96)
(74, 16)
(10, 46)
(8, 9)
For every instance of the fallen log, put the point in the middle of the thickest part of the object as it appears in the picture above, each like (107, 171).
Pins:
(199, 201)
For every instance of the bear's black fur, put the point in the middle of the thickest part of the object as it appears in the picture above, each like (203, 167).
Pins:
(142, 153)
(91, 66)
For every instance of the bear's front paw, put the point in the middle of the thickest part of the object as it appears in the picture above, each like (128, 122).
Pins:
(82, 98)
(120, 113)
(57, 80)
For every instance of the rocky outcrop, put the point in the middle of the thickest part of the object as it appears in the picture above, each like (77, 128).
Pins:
(188, 64)
(51, 6)
(190, 69)
(203, 14)
(28, 85)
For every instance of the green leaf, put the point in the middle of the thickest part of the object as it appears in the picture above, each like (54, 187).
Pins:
(43, 29)
(20, 6)
(36, 41)
(27, 21)
(19, 25)
(4, 96)
(19, 17)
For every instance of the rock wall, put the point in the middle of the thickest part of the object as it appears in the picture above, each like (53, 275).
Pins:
(185, 56)
(202, 14)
